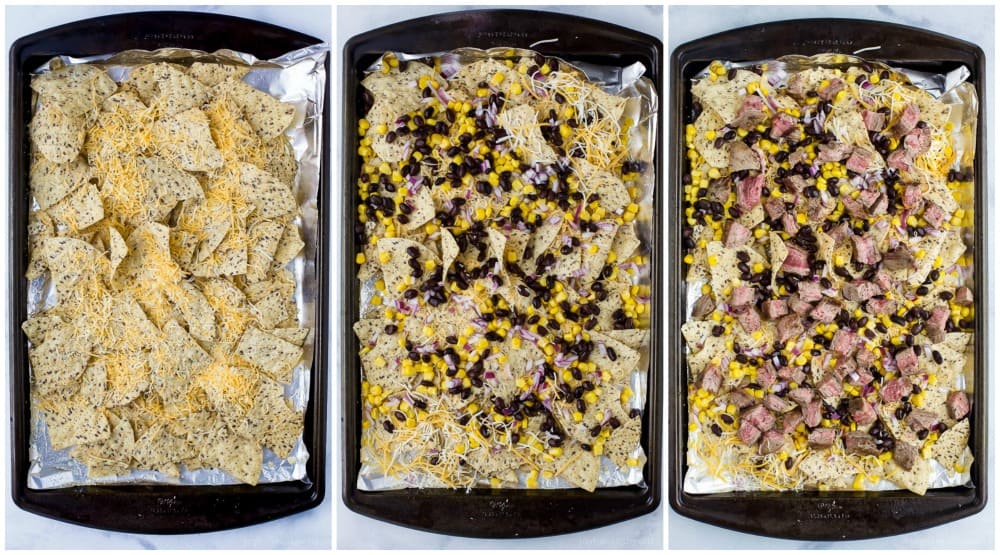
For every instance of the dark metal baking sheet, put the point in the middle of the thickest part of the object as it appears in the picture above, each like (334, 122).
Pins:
(162, 509)
(812, 515)
(503, 513)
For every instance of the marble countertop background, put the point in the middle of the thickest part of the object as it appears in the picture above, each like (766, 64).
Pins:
(358, 532)
(308, 530)
(973, 24)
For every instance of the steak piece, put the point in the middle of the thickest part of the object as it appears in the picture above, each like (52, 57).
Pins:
(748, 433)
(895, 389)
(750, 114)
(801, 395)
(937, 323)
(864, 249)
(760, 417)
(934, 215)
(919, 420)
(740, 399)
(830, 91)
(821, 438)
(766, 376)
(833, 152)
(742, 157)
(917, 141)
(860, 291)
(788, 327)
(748, 192)
(797, 261)
(825, 312)
(772, 442)
(963, 296)
(774, 308)
(843, 342)
(741, 296)
(829, 386)
(904, 454)
(874, 121)
(861, 443)
(749, 319)
(907, 120)
(899, 258)
(900, 159)
(711, 378)
(861, 411)
(810, 291)
(790, 421)
(912, 197)
(861, 160)
(906, 362)
(736, 234)
(775, 208)
(778, 404)
(958, 405)
(781, 124)
(704, 306)
(812, 414)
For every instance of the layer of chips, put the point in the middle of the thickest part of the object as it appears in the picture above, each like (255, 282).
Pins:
(511, 298)
(165, 217)
(830, 309)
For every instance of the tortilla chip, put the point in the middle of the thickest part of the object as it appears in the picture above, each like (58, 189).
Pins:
(279, 160)
(185, 140)
(211, 74)
(522, 125)
(709, 120)
(112, 456)
(623, 442)
(264, 239)
(288, 248)
(168, 87)
(271, 197)
(272, 422)
(583, 471)
(948, 450)
(917, 479)
(57, 136)
(79, 210)
(724, 97)
(77, 89)
(75, 423)
(275, 356)
(59, 359)
(51, 182)
(126, 100)
(268, 116)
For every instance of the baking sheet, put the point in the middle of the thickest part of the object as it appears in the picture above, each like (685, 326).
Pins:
(628, 82)
(951, 88)
(298, 78)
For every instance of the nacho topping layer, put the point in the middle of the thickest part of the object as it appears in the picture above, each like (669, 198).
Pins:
(825, 211)
(164, 221)
(510, 310)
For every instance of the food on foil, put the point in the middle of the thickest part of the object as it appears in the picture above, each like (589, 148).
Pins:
(164, 219)
(824, 226)
(497, 214)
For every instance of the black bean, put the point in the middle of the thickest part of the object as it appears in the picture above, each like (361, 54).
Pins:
(388, 426)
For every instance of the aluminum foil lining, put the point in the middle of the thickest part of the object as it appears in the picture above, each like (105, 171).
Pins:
(950, 88)
(627, 82)
(298, 78)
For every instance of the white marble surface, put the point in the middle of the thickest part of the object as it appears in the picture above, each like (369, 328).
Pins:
(973, 24)
(357, 532)
(309, 530)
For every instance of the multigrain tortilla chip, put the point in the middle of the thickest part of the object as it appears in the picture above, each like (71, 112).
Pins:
(275, 356)
(270, 196)
(709, 120)
(210, 74)
(289, 246)
(77, 89)
(60, 358)
(51, 182)
(185, 139)
(79, 210)
(58, 136)
(264, 238)
(168, 87)
(267, 115)
(75, 423)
